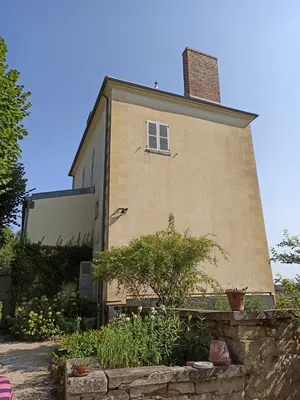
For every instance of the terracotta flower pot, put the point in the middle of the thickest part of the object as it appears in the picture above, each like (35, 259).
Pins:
(219, 354)
(82, 370)
(236, 300)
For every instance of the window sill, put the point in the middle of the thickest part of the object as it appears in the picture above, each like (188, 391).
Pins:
(162, 153)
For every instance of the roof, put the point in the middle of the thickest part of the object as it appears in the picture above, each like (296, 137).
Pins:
(195, 100)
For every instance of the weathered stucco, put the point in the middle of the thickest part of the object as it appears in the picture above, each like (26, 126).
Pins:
(209, 182)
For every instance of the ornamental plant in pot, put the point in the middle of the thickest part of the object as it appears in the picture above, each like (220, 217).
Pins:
(82, 368)
(236, 298)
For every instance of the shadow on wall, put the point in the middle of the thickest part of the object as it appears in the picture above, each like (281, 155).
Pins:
(268, 345)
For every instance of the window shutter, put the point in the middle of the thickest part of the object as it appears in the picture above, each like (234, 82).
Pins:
(163, 137)
(87, 284)
(152, 136)
(85, 280)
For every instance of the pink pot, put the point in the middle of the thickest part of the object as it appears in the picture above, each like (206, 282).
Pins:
(219, 354)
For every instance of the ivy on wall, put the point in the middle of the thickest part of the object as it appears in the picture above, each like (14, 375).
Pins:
(39, 270)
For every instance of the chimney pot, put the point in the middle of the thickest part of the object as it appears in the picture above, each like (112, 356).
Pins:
(200, 74)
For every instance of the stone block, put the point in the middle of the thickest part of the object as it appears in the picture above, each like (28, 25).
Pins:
(148, 391)
(155, 378)
(220, 386)
(251, 332)
(73, 397)
(291, 346)
(231, 396)
(249, 353)
(181, 387)
(125, 376)
(94, 396)
(181, 374)
(206, 396)
(179, 397)
(116, 395)
(95, 382)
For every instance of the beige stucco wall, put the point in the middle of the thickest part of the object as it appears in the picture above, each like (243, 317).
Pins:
(209, 182)
(94, 143)
(65, 217)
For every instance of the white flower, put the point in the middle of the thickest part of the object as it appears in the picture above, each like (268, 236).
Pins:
(127, 319)
(140, 308)
(153, 311)
(163, 308)
(135, 316)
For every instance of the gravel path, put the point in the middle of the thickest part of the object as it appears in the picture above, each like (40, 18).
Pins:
(26, 365)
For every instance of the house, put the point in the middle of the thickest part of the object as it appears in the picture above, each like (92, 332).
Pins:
(145, 153)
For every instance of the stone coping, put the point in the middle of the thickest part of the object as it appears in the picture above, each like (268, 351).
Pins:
(271, 314)
(143, 379)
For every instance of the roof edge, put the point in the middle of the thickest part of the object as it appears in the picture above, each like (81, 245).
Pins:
(199, 101)
(60, 193)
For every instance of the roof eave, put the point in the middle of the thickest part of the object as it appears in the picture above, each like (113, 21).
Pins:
(250, 116)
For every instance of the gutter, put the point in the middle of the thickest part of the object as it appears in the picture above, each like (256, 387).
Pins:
(105, 202)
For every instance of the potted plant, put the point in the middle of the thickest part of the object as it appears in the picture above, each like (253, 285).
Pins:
(82, 368)
(236, 298)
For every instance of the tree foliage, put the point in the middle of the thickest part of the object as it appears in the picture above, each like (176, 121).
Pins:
(288, 250)
(14, 108)
(12, 196)
(168, 262)
(289, 296)
(7, 253)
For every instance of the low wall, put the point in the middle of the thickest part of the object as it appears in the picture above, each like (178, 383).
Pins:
(266, 343)
(174, 383)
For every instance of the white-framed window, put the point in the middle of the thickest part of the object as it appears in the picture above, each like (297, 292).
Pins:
(158, 137)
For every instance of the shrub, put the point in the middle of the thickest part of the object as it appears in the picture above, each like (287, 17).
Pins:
(138, 341)
(41, 318)
(76, 345)
(220, 303)
(194, 341)
(290, 293)
(254, 303)
(167, 263)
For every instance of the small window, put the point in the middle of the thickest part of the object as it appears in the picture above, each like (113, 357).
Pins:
(158, 137)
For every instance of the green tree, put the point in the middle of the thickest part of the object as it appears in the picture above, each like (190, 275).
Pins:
(288, 250)
(11, 198)
(7, 250)
(14, 108)
(168, 262)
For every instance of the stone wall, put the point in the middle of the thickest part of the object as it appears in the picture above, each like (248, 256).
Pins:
(173, 383)
(267, 344)
(265, 349)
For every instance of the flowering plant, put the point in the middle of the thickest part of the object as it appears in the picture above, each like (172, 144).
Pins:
(135, 340)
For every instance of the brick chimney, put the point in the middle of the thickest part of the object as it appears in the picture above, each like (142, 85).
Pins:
(200, 74)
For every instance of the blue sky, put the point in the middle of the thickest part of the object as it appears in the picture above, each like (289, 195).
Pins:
(64, 48)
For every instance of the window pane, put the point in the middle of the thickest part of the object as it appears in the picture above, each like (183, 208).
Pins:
(152, 142)
(152, 129)
(164, 144)
(163, 131)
